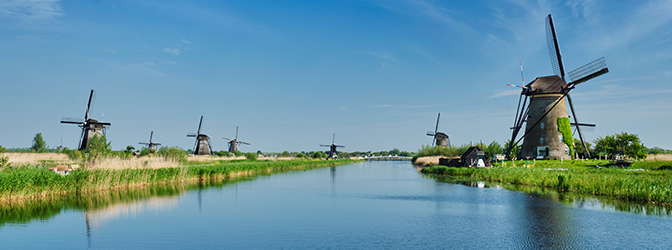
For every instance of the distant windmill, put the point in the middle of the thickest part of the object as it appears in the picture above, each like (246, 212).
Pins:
(547, 105)
(151, 145)
(440, 138)
(233, 143)
(332, 147)
(90, 127)
(202, 145)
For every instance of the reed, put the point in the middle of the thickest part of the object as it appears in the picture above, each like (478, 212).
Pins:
(648, 186)
(29, 182)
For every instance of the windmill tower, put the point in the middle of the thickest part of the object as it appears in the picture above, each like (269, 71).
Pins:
(332, 147)
(440, 138)
(151, 145)
(90, 127)
(233, 143)
(547, 131)
(202, 145)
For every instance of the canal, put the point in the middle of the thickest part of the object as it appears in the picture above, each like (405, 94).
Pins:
(367, 205)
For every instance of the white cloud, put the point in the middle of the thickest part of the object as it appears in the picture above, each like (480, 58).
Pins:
(169, 62)
(31, 11)
(344, 108)
(507, 92)
(113, 51)
(172, 51)
(186, 41)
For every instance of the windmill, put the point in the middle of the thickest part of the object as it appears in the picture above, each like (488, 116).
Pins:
(90, 127)
(547, 108)
(151, 145)
(332, 147)
(441, 138)
(202, 145)
(233, 143)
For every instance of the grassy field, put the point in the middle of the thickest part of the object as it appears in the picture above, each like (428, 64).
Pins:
(28, 181)
(643, 181)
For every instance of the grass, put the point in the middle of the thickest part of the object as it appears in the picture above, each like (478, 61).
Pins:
(654, 186)
(38, 181)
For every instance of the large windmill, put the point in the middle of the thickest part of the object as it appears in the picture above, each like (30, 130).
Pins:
(90, 127)
(546, 115)
(202, 145)
(332, 147)
(440, 138)
(233, 143)
(151, 145)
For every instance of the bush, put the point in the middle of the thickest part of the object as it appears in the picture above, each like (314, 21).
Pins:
(4, 162)
(251, 156)
(74, 155)
(300, 155)
(173, 153)
(144, 151)
(285, 154)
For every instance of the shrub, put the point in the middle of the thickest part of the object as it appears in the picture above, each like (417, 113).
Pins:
(285, 154)
(251, 156)
(173, 153)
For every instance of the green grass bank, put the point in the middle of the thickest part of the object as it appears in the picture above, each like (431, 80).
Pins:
(31, 182)
(643, 181)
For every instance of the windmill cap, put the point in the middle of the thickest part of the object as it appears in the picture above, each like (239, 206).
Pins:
(547, 85)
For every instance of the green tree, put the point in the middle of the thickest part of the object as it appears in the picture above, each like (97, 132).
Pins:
(39, 145)
(395, 151)
(285, 154)
(2, 149)
(514, 150)
(129, 149)
(579, 148)
(98, 148)
(610, 145)
(492, 149)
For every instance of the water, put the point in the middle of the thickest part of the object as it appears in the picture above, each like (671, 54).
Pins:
(369, 205)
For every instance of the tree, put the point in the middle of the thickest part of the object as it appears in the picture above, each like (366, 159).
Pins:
(610, 145)
(580, 150)
(285, 154)
(98, 148)
(129, 149)
(39, 145)
(395, 151)
(493, 149)
(514, 149)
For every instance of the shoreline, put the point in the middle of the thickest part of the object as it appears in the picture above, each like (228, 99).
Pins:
(32, 184)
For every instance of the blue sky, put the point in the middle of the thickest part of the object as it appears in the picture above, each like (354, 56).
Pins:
(291, 73)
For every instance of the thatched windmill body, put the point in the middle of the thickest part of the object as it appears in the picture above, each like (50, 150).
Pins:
(90, 127)
(440, 138)
(332, 147)
(543, 135)
(202, 144)
(150, 145)
(233, 143)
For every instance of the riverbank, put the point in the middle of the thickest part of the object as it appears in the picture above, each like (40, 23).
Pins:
(38, 181)
(643, 181)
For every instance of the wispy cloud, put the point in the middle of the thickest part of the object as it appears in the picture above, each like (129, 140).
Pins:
(186, 41)
(113, 51)
(143, 69)
(344, 108)
(380, 106)
(425, 8)
(507, 92)
(172, 51)
(169, 62)
(31, 11)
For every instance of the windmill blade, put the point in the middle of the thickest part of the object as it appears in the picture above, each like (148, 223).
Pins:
(589, 71)
(236, 132)
(339, 146)
(322, 145)
(69, 122)
(71, 119)
(157, 143)
(101, 123)
(245, 143)
(143, 143)
(199, 126)
(88, 106)
(430, 133)
(333, 139)
(554, 48)
(228, 139)
(191, 135)
(150, 136)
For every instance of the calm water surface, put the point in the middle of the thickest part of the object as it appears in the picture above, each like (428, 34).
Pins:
(369, 205)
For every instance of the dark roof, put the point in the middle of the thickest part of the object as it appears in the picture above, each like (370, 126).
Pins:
(547, 85)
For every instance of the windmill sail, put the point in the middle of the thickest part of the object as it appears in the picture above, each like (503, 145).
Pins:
(589, 71)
